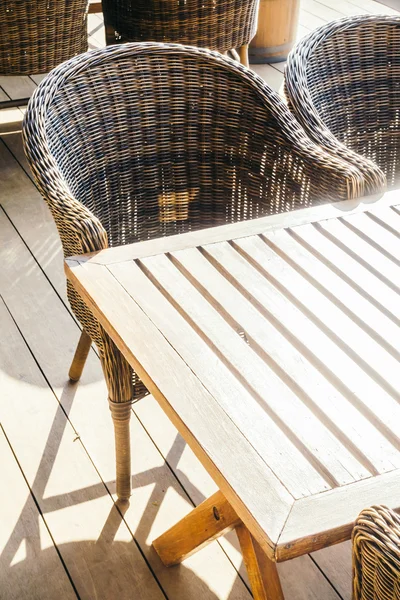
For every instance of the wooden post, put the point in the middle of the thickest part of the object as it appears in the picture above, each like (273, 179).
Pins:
(81, 354)
(276, 33)
(262, 572)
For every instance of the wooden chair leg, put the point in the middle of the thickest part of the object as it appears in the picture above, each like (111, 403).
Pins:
(80, 356)
(118, 375)
(121, 415)
(205, 523)
(244, 55)
(110, 34)
(263, 574)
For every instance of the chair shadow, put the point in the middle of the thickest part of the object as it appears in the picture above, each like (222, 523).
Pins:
(96, 567)
(100, 569)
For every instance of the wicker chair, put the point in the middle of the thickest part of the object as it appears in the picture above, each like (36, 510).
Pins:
(220, 25)
(343, 85)
(376, 555)
(137, 141)
(38, 35)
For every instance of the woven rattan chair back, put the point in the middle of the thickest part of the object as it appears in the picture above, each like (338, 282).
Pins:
(376, 555)
(343, 84)
(138, 141)
(157, 140)
(38, 35)
(215, 24)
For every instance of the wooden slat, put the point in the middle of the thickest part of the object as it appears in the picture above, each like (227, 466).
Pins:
(351, 301)
(12, 156)
(342, 6)
(206, 428)
(373, 7)
(326, 13)
(241, 229)
(324, 353)
(10, 120)
(271, 74)
(96, 31)
(383, 240)
(307, 19)
(388, 218)
(3, 95)
(336, 563)
(250, 417)
(322, 244)
(157, 500)
(272, 394)
(37, 78)
(27, 553)
(25, 206)
(365, 253)
(318, 308)
(322, 397)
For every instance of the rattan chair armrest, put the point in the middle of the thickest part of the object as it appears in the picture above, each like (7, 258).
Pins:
(80, 230)
(336, 177)
(300, 103)
(332, 177)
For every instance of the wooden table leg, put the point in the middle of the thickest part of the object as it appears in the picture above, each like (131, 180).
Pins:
(263, 574)
(209, 520)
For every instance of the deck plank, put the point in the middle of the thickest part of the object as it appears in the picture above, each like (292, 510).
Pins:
(17, 86)
(27, 553)
(373, 7)
(324, 12)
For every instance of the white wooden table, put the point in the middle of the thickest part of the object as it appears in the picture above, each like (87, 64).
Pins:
(273, 346)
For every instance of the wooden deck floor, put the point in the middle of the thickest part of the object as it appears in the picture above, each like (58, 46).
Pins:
(61, 534)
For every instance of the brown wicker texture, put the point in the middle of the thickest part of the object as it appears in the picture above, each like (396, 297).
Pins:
(138, 141)
(376, 555)
(38, 35)
(215, 24)
(343, 84)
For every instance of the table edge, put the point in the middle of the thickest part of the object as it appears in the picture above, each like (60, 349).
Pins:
(222, 233)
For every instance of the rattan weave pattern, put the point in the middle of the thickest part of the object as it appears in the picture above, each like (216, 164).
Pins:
(376, 555)
(343, 84)
(137, 141)
(38, 35)
(215, 24)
